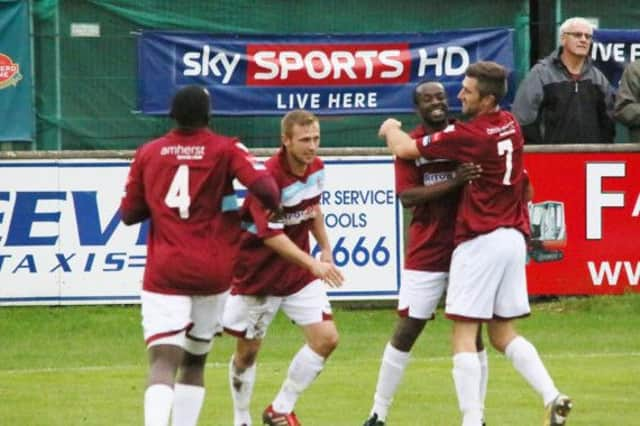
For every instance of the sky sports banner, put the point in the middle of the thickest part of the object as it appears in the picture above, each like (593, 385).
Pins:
(324, 73)
(613, 50)
(62, 241)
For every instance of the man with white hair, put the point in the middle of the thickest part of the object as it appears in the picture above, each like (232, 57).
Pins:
(565, 98)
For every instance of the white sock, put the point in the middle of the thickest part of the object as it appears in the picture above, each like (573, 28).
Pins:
(303, 370)
(187, 402)
(527, 362)
(466, 377)
(484, 375)
(158, 400)
(241, 385)
(394, 362)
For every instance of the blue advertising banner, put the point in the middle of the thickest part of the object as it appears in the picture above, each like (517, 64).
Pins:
(613, 49)
(16, 102)
(324, 73)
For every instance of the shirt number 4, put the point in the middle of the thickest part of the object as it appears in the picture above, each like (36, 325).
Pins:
(505, 147)
(178, 194)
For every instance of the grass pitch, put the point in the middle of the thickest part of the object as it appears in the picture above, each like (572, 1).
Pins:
(87, 366)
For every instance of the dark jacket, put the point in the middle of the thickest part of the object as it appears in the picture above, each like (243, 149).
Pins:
(628, 100)
(554, 108)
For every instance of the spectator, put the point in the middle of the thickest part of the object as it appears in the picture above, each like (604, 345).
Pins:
(565, 98)
(628, 100)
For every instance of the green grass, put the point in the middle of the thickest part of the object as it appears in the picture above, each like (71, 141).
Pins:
(87, 366)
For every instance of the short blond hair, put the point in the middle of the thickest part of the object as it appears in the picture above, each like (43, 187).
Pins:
(300, 117)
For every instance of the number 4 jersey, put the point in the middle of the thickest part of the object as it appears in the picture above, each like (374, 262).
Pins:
(498, 198)
(183, 181)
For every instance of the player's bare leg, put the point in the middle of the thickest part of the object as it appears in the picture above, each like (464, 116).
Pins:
(321, 337)
(158, 398)
(242, 377)
(526, 360)
(406, 333)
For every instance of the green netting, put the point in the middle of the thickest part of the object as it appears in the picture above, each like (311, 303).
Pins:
(622, 14)
(86, 86)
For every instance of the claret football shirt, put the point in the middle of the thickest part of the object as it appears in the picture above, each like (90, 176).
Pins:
(258, 269)
(497, 198)
(184, 179)
(430, 234)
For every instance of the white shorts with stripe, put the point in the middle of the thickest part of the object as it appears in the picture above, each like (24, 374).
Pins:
(420, 293)
(487, 277)
(190, 322)
(249, 316)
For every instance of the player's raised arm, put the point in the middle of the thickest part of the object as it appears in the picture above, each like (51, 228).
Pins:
(399, 142)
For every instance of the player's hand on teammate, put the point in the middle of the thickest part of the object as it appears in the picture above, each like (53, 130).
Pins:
(277, 215)
(327, 272)
(466, 172)
(387, 125)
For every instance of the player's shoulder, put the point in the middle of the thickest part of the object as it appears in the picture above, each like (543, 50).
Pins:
(276, 167)
(222, 139)
(151, 147)
(223, 147)
(317, 164)
(223, 142)
(404, 164)
(456, 128)
(418, 132)
(274, 163)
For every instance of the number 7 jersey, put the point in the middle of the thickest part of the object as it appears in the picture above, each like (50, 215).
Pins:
(498, 198)
(183, 181)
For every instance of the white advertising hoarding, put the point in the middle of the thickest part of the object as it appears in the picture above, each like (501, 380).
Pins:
(62, 242)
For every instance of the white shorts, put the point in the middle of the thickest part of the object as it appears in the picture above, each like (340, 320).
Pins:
(420, 292)
(249, 316)
(487, 277)
(186, 321)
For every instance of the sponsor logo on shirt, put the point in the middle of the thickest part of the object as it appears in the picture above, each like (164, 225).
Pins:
(506, 130)
(433, 178)
(182, 152)
(299, 216)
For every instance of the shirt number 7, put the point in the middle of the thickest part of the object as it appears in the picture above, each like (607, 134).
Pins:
(505, 147)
